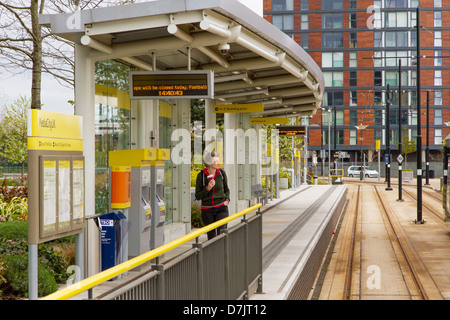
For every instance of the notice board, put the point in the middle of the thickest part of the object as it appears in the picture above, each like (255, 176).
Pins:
(56, 165)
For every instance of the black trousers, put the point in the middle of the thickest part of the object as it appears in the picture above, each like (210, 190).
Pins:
(212, 215)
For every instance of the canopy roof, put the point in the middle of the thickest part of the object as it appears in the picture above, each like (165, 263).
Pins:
(262, 63)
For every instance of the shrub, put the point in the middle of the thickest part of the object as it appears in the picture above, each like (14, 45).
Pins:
(13, 188)
(196, 216)
(16, 207)
(14, 230)
(194, 174)
(17, 277)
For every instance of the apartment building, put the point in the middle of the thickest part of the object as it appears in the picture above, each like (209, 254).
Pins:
(360, 45)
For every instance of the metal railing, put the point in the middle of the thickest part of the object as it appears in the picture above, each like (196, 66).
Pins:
(226, 267)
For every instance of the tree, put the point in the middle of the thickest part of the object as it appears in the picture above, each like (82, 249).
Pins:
(408, 146)
(13, 132)
(25, 45)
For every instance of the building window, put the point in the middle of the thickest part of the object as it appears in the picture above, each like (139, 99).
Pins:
(333, 21)
(438, 77)
(334, 79)
(353, 81)
(304, 22)
(340, 136)
(304, 40)
(396, 3)
(353, 137)
(283, 22)
(352, 60)
(377, 78)
(438, 18)
(353, 98)
(377, 39)
(333, 98)
(332, 4)
(352, 20)
(438, 97)
(332, 59)
(438, 38)
(438, 3)
(438, 58)
(352, 4)
(396, 19)
(352, 40)
(378, 117)
(353, 119)
(303, 4)
(340, 118)
(282, 5)
(396, 39)
(332, 40)
(438, 136)
(438, 117)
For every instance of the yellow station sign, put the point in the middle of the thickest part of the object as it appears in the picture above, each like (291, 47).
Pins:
(283, 120)
(238, 108)
(54, 131)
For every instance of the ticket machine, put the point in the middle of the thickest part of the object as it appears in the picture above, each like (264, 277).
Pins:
(146, 213)
(157, 193)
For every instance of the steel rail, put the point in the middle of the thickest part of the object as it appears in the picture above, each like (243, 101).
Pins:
(348, 277)
(110, 273)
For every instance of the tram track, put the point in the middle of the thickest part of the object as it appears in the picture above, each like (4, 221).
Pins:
(402, 253)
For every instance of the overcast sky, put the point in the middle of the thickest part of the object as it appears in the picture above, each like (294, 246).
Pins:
(54, 96)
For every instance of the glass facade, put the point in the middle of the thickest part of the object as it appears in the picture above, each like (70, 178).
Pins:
(112, 123)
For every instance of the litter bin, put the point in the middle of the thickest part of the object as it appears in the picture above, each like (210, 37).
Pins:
(114, 230)
(431, 174)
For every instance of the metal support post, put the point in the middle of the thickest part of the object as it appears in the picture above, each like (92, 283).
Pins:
(388, 141)
(445, 185)
(33, 271)
(427, 149)
(160, 285)
(400, 158)
(201, 290)
(419, 127)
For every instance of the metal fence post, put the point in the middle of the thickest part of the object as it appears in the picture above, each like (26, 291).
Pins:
(200, 274)
(160, 284)
(260, 266)
(245, 222)
(226, 253)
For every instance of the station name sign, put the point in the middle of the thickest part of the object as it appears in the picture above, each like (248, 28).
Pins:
(291, 130)
(196, 84)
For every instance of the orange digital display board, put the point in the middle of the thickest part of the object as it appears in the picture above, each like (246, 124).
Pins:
(196, 84)
(291, 130)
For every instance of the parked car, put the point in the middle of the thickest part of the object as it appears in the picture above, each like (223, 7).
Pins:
(355, 171)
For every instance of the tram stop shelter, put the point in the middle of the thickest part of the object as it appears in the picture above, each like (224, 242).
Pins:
(252, 62)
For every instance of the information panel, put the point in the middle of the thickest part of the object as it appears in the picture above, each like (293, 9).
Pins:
(55, 176)
(291, 130)
(196, 84)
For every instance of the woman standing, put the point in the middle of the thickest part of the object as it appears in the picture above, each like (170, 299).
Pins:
(212, 189)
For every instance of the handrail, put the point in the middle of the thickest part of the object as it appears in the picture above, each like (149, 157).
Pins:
(335, 171)
(110, 273)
